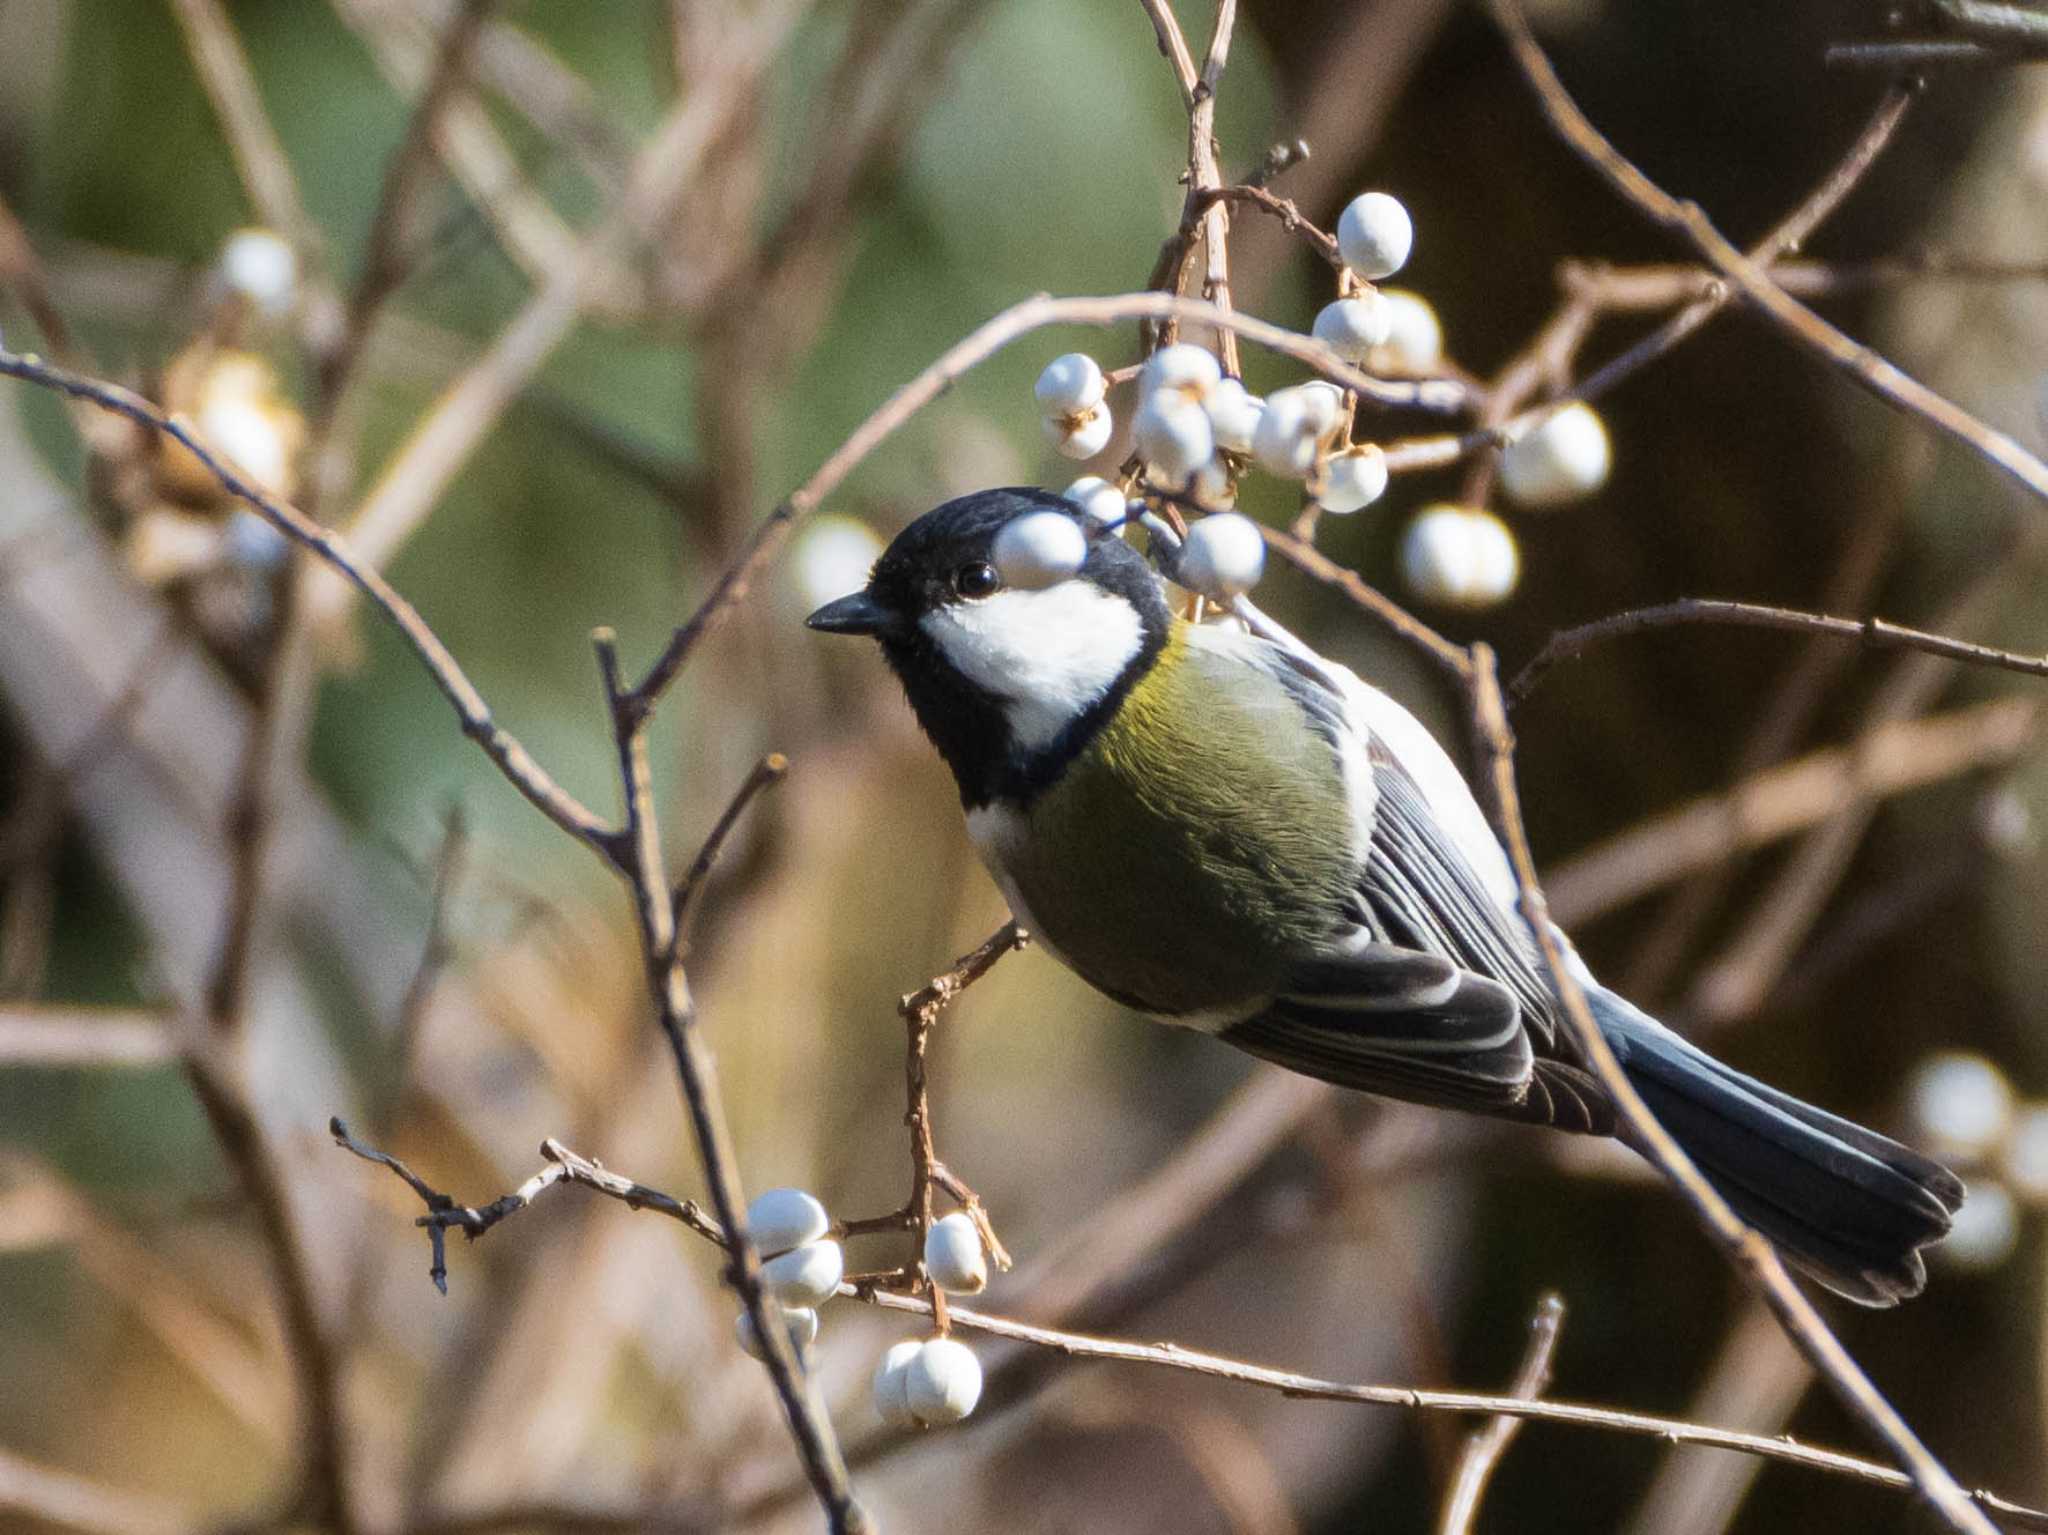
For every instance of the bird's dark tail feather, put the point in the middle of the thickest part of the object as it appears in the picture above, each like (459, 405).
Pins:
(1845, 1205)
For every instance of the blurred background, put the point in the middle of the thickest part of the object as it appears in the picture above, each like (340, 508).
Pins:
(653, 263)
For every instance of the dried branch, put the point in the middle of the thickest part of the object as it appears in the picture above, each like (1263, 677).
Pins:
(767, 773)
(1519, 1404)
(1858, 362)
(1313, 1388)
(639, 859)
(1485, 1445)
(563, 1166)
(1753, 1256)
(1874, 633)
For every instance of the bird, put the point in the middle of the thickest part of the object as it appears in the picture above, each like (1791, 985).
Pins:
(1218, 828)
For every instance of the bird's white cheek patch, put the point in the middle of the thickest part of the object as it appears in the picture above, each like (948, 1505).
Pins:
(1046, 654)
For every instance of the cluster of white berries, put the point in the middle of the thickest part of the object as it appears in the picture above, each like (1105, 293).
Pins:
(1195, 431)
(1072, 407)
(928, 1382)
(800, 1265)
(1962, 1109)
(919, 1382)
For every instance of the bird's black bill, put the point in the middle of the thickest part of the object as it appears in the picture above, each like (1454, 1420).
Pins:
(855, 614)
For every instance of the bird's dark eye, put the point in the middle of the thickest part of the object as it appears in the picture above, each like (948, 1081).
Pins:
(976, 580)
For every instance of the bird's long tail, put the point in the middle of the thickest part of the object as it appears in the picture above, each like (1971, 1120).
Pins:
(1843, 1204)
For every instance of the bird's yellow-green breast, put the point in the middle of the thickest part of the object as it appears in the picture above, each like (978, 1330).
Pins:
(1195, 847)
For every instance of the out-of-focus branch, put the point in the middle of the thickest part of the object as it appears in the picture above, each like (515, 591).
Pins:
(1895, 757)
(33, 1034)
(499, 744)
(1489, 1442)
(47, 1496)
(1757, 1381)
(416, 476)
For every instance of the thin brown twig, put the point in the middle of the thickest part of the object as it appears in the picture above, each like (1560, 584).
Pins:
(1304, 556)
(1312, 1388)
(1873, 633)
(768, 772)
(1548, 357)
(639, 859)
(1752, 1255)
(562, 1166)
(921, 1010)
(1486, 1444)
(1859, 363)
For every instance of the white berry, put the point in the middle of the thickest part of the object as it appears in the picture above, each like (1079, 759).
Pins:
(2024, 1160)
(953, 1255)
(890, 1383)
(800, 1321)
(1038, 550)
(1960, 1104)
(1567, 456)
(1223, 556)
(1415, 337)
(942, 1382)
(1352, 479)
(832, 557)
(251, 541)
(1173, 435)
(1182, 368)
(1374, 235)
(1460, 556)
(1234, 412)
(1983, 1233)
(806, 1275)
(1293, 427)
(1098, 498)
(1211, 488)
(780, 1219)
(1352, 327)
(263, 268)
(1081, 435)
(1069, 384)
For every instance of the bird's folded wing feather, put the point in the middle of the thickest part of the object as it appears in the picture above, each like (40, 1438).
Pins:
(1437, 995)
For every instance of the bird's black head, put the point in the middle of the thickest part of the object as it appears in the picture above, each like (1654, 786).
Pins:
(1008, 681)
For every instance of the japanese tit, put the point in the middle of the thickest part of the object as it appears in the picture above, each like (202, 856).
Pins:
(1223, 830)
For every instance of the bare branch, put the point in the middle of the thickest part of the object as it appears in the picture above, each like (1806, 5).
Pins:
(1862, 365)
(1874, 633)
(1754, 1257)
(1485, 1445)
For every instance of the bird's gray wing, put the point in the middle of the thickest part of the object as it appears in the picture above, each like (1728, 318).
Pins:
(1479, 1031)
